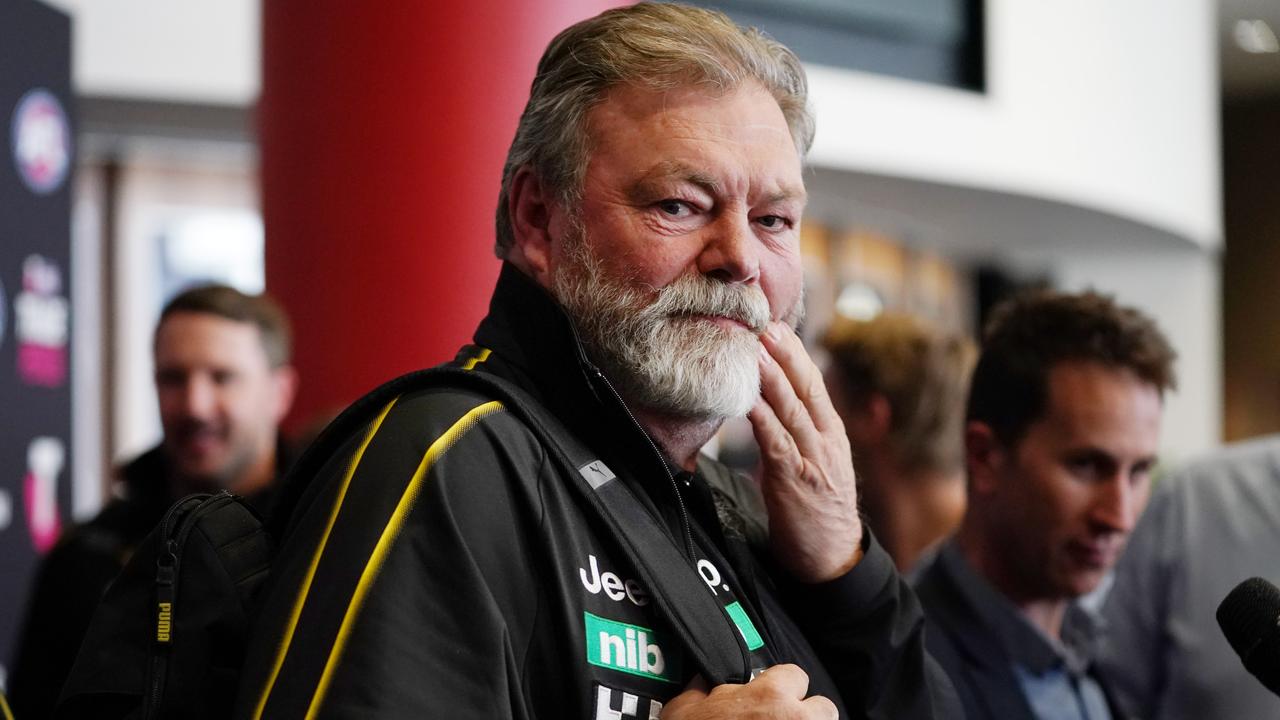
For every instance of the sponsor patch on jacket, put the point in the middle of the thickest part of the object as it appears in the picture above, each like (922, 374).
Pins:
(613, 704)
(628, 648)
(750, 635)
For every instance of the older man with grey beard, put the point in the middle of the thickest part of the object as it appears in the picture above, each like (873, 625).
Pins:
(448, 566)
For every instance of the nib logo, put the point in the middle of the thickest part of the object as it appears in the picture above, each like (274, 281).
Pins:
(627, 648)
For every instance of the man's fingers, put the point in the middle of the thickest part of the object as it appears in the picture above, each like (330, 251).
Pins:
(693, 694)
(786, 680)
(773, 439)
(787, 350)
(777, 390)
(820, 708)
(776, 693)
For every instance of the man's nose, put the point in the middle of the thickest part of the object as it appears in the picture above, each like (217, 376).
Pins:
(198, 397)
(732, 251)
(1117, 504)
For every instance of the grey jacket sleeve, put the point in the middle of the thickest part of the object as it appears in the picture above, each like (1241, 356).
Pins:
(1133, 654)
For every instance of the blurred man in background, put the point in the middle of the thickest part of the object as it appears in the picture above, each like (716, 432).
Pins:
(1062, 428)
(224, 383)
(899, 385)
(1210, 526)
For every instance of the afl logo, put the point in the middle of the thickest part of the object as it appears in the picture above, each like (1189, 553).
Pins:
(41, 140)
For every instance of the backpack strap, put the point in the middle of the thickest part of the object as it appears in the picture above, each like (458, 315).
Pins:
(704, 627)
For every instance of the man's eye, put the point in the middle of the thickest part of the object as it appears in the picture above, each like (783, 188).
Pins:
(1083, 467)
(1140, 472)
(773, 222)
(675, 208)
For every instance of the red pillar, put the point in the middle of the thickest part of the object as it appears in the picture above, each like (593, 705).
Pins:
(383, 129)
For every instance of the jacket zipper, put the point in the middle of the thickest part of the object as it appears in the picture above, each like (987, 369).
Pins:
(662, 460)
(684, 512)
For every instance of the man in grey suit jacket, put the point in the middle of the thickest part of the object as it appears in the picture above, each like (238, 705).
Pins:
(1210, 526)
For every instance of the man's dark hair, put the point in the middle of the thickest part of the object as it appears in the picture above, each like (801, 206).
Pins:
(1033, 332)
(231, 304)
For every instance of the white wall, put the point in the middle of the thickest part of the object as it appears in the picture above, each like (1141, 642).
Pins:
(1107, 105)
(204, 51)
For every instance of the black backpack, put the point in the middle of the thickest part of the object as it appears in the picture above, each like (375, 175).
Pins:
(169, 636)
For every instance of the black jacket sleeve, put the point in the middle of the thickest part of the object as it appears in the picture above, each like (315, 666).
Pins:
(68, 586)
(868, 629)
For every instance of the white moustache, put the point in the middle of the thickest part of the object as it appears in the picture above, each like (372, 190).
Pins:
(697, 295)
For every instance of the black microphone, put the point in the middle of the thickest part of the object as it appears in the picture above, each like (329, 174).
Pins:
(1250, 618)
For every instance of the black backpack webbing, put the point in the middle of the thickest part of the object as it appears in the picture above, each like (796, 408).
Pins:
(681, 596)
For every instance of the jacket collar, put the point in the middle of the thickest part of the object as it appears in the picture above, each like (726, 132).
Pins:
(531, 336)
(533, 342)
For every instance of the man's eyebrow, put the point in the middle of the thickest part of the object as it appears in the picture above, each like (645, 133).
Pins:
(1090, 453)
(788, 195)
(676, 170)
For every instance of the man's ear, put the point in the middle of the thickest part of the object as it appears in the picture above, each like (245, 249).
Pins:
(878, 417)
(985, 457)
(865, 422)
(531, 206)
(284, 383)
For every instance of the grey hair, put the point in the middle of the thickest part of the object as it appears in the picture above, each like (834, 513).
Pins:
(658, 46)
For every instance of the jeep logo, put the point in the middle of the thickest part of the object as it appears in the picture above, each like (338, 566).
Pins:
(614, 587)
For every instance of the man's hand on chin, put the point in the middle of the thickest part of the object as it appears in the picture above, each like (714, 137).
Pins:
(808, 481)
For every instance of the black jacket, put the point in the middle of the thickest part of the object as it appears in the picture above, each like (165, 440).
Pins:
(970, 651)
(440, 567)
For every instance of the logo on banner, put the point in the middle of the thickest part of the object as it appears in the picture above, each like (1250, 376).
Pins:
(46, 457)
(41, 140)
(41, 316)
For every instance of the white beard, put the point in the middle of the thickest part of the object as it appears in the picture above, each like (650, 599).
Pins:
(655, 347)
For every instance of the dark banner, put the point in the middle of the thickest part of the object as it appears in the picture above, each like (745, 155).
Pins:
(35, 310)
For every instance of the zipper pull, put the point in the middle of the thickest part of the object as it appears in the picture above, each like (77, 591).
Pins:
(166, 564)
